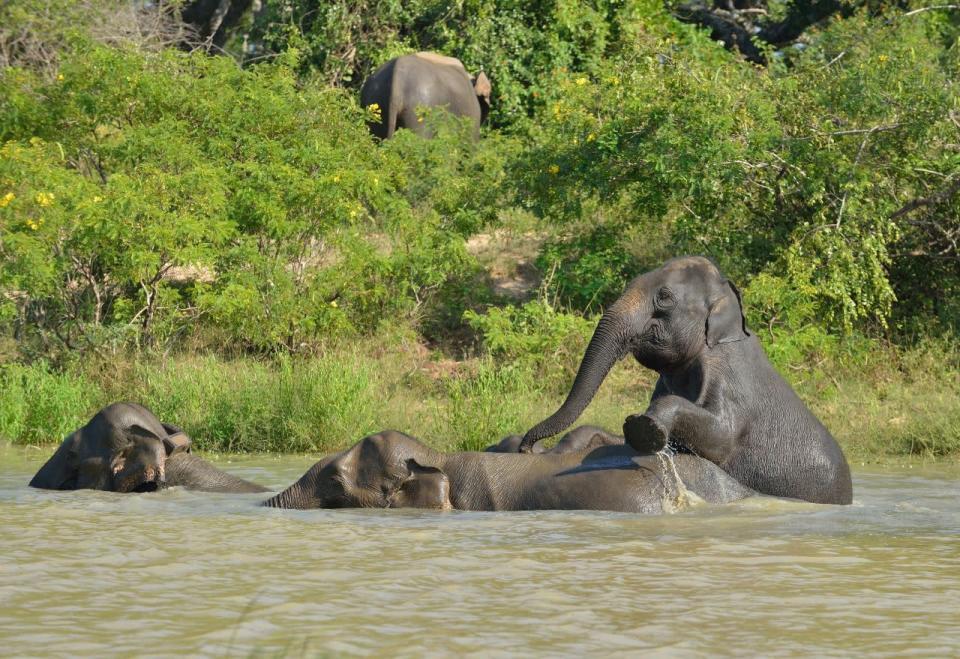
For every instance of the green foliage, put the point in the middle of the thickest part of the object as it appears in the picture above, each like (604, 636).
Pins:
(155, 197)
(38, 406)
(156, 202)
(477, 411)
(518, 44)
(800, 169)
(533, 334)
(251, 406)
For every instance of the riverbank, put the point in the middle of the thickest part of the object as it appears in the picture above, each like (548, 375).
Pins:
(882, 403)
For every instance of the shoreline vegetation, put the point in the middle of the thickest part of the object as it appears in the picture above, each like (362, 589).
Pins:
(212, 232)
(881, 405)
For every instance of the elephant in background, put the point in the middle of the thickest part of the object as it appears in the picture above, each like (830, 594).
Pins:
(429, 80)
(393, 470)
(717, 396)
(125, 448)
(581, 438)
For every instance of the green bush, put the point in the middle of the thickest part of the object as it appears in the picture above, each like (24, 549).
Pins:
(479, 410)
(235, 222)
(146, 198)
(518, 44)
(807, 169)
(38, 406)
(534, 335)
(248, 406)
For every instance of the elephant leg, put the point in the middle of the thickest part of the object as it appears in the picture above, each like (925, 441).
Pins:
(408, 118)
(705, 433)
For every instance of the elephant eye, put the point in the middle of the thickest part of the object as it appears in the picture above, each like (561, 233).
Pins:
(665, 299)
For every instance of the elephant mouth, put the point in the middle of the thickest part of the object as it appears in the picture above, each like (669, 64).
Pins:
(139, 483)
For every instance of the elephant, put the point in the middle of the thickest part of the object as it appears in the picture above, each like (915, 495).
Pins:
(717, 396)
(430, 80)
(581, 438)
(390, 469)
(125, 448)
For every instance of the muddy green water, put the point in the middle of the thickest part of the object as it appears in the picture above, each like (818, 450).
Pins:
(178, 573)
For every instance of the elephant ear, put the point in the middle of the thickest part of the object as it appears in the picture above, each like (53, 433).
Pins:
(482, 87)
(60, 471)
(725, 320)
(422, 487)
(176, 440)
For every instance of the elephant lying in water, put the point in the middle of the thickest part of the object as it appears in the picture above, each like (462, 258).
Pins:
(581, 438)
(393, 470)
(717, 396)
(125, 448)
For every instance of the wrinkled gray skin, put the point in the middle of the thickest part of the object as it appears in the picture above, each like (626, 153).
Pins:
(717, 395)
(125, 448)
(428, 80)
(393, 470)
(581, 438)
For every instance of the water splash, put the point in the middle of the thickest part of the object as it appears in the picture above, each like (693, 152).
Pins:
(676, 497)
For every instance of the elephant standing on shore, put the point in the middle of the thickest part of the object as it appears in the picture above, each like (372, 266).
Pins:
(393, 470)
(717, 396)
(425, 80)
(125, 448)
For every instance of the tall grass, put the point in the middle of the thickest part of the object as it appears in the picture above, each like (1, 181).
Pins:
(878, 401)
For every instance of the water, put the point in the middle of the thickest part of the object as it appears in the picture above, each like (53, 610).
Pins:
(175, 573)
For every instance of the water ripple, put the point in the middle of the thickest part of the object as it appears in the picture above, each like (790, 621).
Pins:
(175, 573)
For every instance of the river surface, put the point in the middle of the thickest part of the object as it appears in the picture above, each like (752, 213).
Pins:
(179, 573)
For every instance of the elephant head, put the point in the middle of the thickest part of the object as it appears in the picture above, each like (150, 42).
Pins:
(385, 470)
(665, 318)
(483, 89)
(119, 450)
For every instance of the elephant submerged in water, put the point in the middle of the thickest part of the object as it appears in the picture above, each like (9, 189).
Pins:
(423, 80)
(125, 448)
(718, 396)
(392, 470)
(582, 438)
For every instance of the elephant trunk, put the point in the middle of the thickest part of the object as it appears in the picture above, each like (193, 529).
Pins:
(292, 497)
(606, 347)
(298, 496)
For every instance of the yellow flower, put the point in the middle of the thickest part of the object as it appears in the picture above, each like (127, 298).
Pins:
(333, 303)
(883, 58)
(35, 224)
(60, 77)
(374, 109)
(336, 178)
(97, 199)
(6, 199)
(553, 169)
(44, 199)
(581, 82)
(591, 137)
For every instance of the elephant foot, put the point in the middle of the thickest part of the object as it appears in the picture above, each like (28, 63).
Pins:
(644, 434)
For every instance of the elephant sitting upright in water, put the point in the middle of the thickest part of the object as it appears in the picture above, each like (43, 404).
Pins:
(717, 396)
(426, 80)
(125, 448)
(393, 470)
